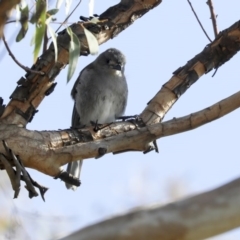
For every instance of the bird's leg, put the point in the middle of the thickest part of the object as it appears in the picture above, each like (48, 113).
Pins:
(96, 126)
(19, 174)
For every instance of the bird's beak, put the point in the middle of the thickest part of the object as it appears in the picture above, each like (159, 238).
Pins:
(117, 67)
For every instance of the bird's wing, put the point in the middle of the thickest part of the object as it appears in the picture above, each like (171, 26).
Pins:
(75, 117)
(74, 91)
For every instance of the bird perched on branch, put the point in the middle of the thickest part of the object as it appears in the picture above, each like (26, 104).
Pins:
(100, 95)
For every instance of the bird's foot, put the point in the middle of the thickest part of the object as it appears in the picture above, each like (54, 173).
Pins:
(137, 121)
(98, 127)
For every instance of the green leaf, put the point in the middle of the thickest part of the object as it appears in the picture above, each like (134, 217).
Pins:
(54, 38)
(24, 22)
(32, 41)
(52, 12)
(40, 8)
(92, 42)
(74, 52)
(40, 27)
(22, 32)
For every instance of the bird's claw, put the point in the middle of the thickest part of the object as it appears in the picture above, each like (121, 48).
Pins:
(98, 127)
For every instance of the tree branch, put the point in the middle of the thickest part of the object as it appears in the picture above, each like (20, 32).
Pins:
(218, 52)
(199, 217)
(53, 149)
(213, 17)
(16, 61)
(199, 22)
(32, 88)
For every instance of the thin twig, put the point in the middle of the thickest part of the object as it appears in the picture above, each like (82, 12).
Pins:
(16, 61)
(213, 17)
(199, 21)
(68, 16)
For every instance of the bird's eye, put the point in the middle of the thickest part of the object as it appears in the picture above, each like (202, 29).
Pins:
(108, 61)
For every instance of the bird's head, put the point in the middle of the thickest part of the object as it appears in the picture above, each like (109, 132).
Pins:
(113, 59)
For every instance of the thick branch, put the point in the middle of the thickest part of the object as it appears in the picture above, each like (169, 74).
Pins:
(32, 88)
(47, 151)
(218, 52)
(195, 218)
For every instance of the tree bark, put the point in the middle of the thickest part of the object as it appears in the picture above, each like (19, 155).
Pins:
(33, 88)
(47, 151)
(199, 217)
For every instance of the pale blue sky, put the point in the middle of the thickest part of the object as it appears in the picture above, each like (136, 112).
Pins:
(155, 46)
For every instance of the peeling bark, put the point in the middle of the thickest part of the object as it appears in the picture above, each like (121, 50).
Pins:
(32, 88)
(47, 151)
(214, 55)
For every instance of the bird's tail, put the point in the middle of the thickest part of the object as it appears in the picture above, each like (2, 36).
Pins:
(74, 168)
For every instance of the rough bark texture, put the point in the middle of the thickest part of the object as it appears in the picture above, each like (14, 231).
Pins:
(47, 151)
(195, 218)
(222, 49)
(32, 88)
(52, 149)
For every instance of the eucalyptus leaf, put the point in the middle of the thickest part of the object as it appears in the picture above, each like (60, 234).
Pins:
(92, 42)
(74, 52)
(24, 23)
(52, 11)
(54, 38)
(40, 8)
(68, 4)
(40, 27)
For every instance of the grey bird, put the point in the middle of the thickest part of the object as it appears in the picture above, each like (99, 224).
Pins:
(100, 95)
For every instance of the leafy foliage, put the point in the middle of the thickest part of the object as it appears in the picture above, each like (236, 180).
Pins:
(24, 23)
